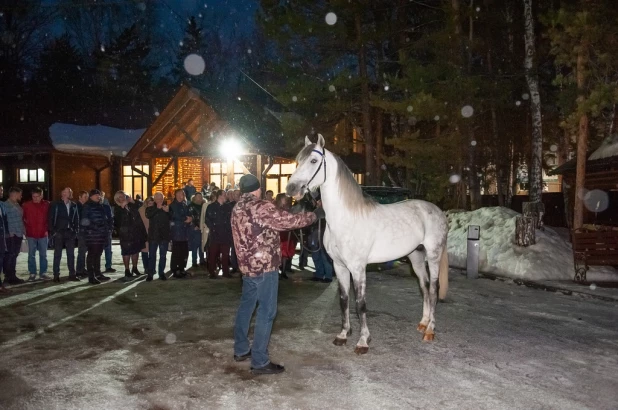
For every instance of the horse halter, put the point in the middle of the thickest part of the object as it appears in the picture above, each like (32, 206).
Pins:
(323, 162)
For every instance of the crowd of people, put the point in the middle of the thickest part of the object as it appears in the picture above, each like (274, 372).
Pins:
(237, 229)
(195, 224)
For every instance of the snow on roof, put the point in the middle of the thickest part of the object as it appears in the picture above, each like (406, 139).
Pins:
(551, 258)
(93, 139)
(609, 148)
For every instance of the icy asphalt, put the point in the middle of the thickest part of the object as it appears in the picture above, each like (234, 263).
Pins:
(168, 345)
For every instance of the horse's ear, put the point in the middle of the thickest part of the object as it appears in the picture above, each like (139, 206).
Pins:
(321, 141)
(307, 141)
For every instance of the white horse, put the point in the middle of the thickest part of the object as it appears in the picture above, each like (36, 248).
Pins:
(360, 231)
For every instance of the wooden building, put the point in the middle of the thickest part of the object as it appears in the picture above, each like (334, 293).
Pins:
(80, 157)
(209, 140)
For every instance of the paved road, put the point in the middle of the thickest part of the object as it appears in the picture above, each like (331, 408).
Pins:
(167, 345)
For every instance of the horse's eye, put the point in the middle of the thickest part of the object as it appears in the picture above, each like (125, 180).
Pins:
(314, 161)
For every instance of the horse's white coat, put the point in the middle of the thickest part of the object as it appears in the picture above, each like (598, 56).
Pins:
(359, 233)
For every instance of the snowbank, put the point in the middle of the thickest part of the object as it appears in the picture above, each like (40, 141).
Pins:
(609, 148)
(551, 258)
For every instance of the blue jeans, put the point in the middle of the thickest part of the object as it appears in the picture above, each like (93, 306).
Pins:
(261, 290)
(108, 253)
(323, 265)
(35, 245)
(153, 246)
(195, 246)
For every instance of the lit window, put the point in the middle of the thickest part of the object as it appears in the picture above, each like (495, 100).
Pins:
(31, 175)
(1, 176)
(134, 183)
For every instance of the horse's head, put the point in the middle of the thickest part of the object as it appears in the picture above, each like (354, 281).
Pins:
(311, 169)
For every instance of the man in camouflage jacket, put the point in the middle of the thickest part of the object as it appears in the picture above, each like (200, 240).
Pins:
(256, 224)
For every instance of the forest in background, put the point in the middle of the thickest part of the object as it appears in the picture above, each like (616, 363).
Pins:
(450, 98)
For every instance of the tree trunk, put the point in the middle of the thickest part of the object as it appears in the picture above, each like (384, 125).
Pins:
(535, 178)
(536, 211)
(582, 139)
(525, 235)
(370, 174)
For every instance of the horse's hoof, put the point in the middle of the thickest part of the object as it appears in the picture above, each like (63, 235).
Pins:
(428, 336)
(421, 328)
(361, 349)
(339, 341)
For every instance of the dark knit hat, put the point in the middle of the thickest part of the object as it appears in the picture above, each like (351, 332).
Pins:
(95, 192)
(248, 183)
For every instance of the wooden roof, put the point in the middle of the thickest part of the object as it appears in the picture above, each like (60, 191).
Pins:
(592, 165)
(194, 125)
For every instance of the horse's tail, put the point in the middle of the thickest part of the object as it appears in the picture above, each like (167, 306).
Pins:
(443, 274)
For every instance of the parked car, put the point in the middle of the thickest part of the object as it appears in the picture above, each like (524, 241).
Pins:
(387, 195)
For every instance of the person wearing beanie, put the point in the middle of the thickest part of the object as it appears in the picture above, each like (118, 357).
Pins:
(256, 224)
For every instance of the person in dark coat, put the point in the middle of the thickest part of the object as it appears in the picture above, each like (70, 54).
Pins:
(181, 226)
(218, 220)
(131, 231)
(195, 233)
(63, 222)
(159, 218)
(4, 230)
(80, 268)
(189, 189)
(97, 226)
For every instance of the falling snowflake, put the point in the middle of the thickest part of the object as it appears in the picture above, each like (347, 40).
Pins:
(170, 338)
(141, 6)
(518, 103)
(194, 64)
(455, 178)
(383, 167)
(467, 111)
(294, 98)
(386, 87)
(473, 143)
(596, 200)
(331, 19)
(525, 96)
(331, 88)
(102, 48)
(249, 51)
(593, 286)
(410, 108)
(181, 43)
(478, 9)
(553, 148)
(156, 113)
(436, 118)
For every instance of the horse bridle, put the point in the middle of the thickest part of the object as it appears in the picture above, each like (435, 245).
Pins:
(323, 162)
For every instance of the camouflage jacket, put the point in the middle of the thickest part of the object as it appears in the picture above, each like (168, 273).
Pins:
(256, 224)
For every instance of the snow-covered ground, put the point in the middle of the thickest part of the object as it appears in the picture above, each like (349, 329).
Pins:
(168, 345)
(551, 258)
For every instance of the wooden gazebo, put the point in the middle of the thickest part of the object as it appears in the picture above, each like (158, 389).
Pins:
(596, 242)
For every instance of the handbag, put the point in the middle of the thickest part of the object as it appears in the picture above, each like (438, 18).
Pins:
(24, 246)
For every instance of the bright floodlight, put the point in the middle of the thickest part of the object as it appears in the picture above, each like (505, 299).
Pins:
(230, 148)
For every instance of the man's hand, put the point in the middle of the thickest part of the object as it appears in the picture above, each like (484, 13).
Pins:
(319, 213)
(165, 208)
(189, 219)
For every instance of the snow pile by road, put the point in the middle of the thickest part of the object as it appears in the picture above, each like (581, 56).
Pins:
(551, 258)
(609, 148)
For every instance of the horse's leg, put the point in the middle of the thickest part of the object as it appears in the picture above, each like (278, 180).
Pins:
(417, 258)
(360, 279)
(433, 260)
(343, 277)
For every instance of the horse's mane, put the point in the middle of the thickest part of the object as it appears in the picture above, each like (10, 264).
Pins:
(353, 198)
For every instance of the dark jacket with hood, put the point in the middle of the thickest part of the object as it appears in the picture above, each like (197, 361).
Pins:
(96, 223)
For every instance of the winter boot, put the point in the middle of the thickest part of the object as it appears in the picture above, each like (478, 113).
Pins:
(127, 273)
(92, 279)
(135, 271)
